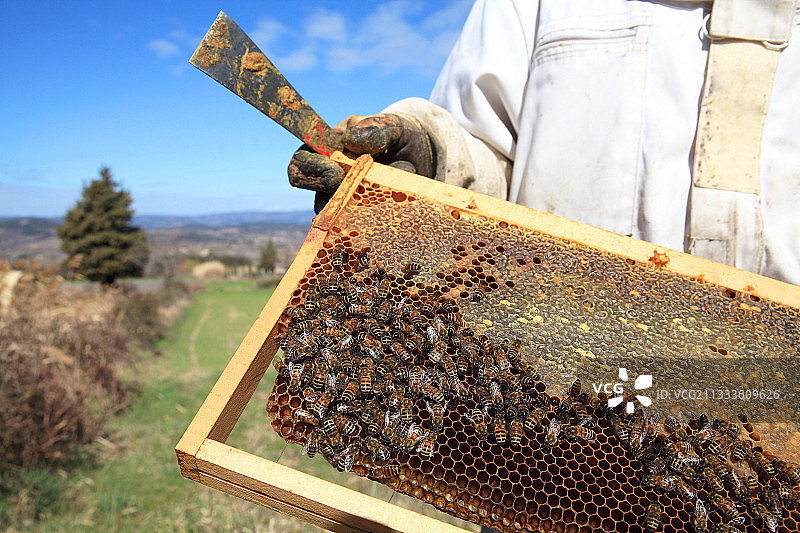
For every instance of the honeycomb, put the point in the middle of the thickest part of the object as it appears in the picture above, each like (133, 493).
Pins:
(453, 357)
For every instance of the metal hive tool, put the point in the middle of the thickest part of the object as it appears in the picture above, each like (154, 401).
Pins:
(575, 310)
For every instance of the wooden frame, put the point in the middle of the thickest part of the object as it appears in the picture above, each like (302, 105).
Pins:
(202, 453)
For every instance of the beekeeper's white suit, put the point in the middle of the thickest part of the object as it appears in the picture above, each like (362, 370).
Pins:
(588, 109)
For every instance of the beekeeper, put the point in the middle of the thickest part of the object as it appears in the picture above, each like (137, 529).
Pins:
(676, 122)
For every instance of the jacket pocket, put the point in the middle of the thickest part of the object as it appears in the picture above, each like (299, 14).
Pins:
(583, 108)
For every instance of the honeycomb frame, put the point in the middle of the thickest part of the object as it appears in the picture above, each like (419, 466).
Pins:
(204, 457)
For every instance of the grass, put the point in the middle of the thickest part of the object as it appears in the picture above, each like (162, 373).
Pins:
(133, 482)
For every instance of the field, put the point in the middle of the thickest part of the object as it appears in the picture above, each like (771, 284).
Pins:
(133, 484)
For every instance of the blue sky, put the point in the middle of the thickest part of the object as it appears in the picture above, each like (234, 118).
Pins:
(90, 84)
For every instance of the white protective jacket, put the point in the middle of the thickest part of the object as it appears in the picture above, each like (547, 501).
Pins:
(588, 109)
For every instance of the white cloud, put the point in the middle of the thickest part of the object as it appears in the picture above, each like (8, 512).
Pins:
(163, 48)
(298, 61)
(267, 32)
(326, 26)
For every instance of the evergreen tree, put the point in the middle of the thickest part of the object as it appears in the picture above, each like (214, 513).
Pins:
(267, 261)
(97, 235)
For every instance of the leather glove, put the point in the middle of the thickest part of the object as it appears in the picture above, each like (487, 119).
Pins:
(390, 139)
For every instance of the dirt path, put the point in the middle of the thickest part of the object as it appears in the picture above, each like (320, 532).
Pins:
(195, 333)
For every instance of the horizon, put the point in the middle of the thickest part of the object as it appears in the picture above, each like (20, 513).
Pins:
(110, 85)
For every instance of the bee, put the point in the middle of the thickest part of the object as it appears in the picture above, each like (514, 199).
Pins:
(727, 508)
(580, 432)
(407, 410)
(426, 445)
(515, 432)
(788, 494)
(499, 429)
(563, 409)
(478, 294)
(686, 492)
(339, 258)
(752, 485)
(437, 410)
(575, 389)
(385, 472)
(553, 432)
(533, 419)
(791, 471)
(729, 429)
(768, 519)
(320, 375)
(680, 462)
(410, 269)
(281, 367)
(362, 259)
(301, 415)
(622, 430)
(496, 394)
(365, 375)
(376, 424)
(295, 373)
(478, 419)
(762, 464)
(415, 378)
(350, 391)
(311, 447)
(344, 459)
(680, 447)
(652, 519)
(345, 425)
(382, 290)
(378, 451)
(700, 517)
(321, 403)
(712, 480)
(659, 481)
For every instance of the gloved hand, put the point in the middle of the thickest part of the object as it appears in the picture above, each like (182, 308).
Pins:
(390, 139)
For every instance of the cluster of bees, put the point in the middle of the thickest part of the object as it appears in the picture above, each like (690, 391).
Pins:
(367, 363)
(379, 369)
(707, 464)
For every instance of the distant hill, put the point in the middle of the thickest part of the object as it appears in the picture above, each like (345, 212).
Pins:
(242, 233)
(225, 220)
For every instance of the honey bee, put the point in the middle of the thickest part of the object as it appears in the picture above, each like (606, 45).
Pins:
(477, 417)
(788, 494)
(378, 451)
(686, 492)
(339, 258)
(362, 259)
(752, 485)
(350, 391)
(345, 425)
(281, 368)
(580, 432)
(437, 410)
(712, 480)
(407, 410)
(500, 431)
(478, 294)
(562, 410)
(415, 376)
(410, 269)
(301, 415)
(622, 430)
(383, 288)
(652, 519)
(534, 418)
(791, 471)
(311, 447)
(727, 508)
(295, 373)
(365, 375)
(515, 433)
(344, 459)
(553, 432)
(320, 375)
(762, 464)
(700, 517)
(426, 445)
(724, 528)
(321, 403)
(385, 472)
(575, 389)
(496, 394)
